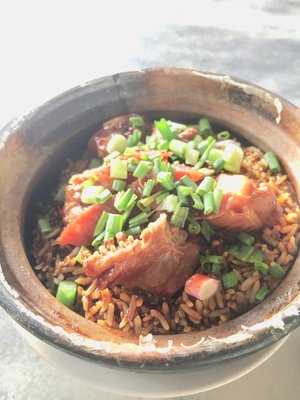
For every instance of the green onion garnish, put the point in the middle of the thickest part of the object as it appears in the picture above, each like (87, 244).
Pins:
(169, 204)
(218, 196)
(233, 157)
(66, 293)
(208, 202)
(147, 201)
(139, 219)
(162, 145)
(89, 194)
(216, 269)
(177, 147)
(204, 127)
(149, 185)
(87, 183)
(262, 267)
(213, 259)
(164, 129)
(118, 169)
(103, 196)
(123, 199)
(186, 181)
(136, 120)
(256, 256)
(44, 225)
(166, 180)
(276, 270)
(117, 143)
(118, 185)
(224, 135)
(198, 204)
(243, 252)
(218, 165)
(210, 143)
(207, 230)
(134, 138)
(230, 279)
(246, 238)
(207, 185)
(134, 231)
(184, 191)
(78, 257)
(262, 293)
(273, 162)
(98, 240)
(191, 156)
(179, 216)
(214, 154)
(101, 223)
(114, 224)
(194, 228)
(143, 169)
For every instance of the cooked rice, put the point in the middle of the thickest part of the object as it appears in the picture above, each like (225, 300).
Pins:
(140, 312)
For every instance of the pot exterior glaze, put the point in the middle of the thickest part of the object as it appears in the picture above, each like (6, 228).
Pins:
(35, 146)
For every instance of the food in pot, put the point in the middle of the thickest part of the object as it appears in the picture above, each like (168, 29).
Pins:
(165, 227)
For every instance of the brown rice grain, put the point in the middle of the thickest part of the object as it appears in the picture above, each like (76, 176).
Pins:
(190, 312)
(132, 308)
(162, 320)
(254, 290)
(137, 323)
(110, 314)
(248, 283)
(186, 300)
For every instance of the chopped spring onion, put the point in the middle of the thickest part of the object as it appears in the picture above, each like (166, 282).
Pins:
(207, 230)
(177, 147)
(98, 240)
(186, 181)
(211, 143)
(276, 270)
(169, 204)
(108, 235)
(134, 138)
(208, 202)
(134, 231)
(90, 193)
(166, 180)
(179, 216)
(139, 219)
(246, 238)
(198, 204)
(147, 201)
(218, 165)
(233, 156)
(95, 163)
(184, 191)
(161, 197)
(162, 145)
(111, 156)
(218, 196)
(164, 129)
(262, 267)
(207, 185)
(130, 207)
(114, 223)
(123, 199)
(256, 256)
(213, 259)
(131, 166)
(103, 196)
(224, 135)
(204, 127)
(66, 293)
(118, 169)
(87, 183)
(117, 143)
(230, 279)
(100, 226)
(149, 185)
(194, 228)
(136, 120)
(143, 169)
(273, 162)
(243, 252)
(214, 154)
(262, 293)
(118, 185)
(44, 225)
(191, 156)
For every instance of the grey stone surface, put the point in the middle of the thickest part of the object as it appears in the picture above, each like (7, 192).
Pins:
(266, 52)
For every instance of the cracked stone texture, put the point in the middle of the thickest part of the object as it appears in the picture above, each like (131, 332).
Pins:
(259, 42)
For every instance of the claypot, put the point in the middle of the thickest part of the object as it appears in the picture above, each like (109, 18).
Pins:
(34, 148)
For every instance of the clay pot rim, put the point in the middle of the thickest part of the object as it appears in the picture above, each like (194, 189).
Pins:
(261, 336)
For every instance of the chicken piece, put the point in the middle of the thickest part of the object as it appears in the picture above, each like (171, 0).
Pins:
(244, 206)
(160, 261)
(98, 142)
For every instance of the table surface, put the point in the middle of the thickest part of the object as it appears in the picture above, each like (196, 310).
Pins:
(48, 47)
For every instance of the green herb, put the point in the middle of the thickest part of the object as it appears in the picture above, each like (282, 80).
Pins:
(100, 226)
(204, 127)
(230, 279)
(224, 135)
(164, 129)
(134, 138)
(136, 121)
(179, 216)
(276, 270)
(66, 293)
(117, 143)
(166, 180)
(273, 162)
(262, 293)
(118, 169)
(118, 185)
(143, 169)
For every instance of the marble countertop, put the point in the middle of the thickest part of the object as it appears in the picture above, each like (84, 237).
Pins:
(48, 47)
